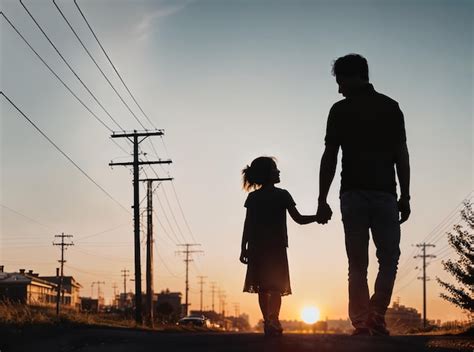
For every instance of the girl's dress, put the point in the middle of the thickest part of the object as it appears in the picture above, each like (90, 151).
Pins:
(267, 268)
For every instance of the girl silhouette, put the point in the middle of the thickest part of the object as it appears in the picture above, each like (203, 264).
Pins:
(265, 239)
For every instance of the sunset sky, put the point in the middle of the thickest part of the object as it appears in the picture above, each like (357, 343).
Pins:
(228, 81)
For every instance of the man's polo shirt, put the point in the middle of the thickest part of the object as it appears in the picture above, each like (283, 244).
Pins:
(369, 127)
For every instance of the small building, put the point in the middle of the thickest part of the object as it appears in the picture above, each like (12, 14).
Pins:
(168, 306)
(90, 305)
(125, 300)
(30, 288)
(401, 319)
(26, 288)
(70, 290)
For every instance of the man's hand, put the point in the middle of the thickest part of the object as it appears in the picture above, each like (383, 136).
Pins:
(404, 209)
(324, 213)
(244, 257)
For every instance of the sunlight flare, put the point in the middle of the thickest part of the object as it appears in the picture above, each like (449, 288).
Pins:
(310, 314)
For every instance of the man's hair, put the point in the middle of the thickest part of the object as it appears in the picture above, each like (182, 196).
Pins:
(351, 65)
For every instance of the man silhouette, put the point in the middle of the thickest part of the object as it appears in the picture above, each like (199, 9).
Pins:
(369, 127)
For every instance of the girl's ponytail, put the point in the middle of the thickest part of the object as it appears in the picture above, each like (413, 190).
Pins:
(247, 180)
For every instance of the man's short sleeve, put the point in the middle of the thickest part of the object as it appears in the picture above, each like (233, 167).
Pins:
(289, 202)
(332, 133)
(401, 136)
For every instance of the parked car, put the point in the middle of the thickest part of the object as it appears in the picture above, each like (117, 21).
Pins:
(194, 321)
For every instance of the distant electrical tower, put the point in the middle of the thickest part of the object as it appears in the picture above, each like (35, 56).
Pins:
(187, 260)
(424, 277)
(149, 248)
(213, 292)
(63, 246)
(201, 283)
(136, 163)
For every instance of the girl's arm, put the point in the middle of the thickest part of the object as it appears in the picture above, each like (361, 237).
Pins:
(245, 238)
(301, 219)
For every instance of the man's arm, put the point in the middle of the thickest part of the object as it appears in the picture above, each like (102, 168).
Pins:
(327, 171)
(402, 163)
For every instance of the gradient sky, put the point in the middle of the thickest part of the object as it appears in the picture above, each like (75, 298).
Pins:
(228, 81)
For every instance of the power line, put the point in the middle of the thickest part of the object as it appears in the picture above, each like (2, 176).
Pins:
(96, 64)
(182, 212)
(60, 80)
(164, 230)
(168, 221)
(177, 199)
(70, 68)
(102, 232)
(455, 211)
(442, 225)
(64, 154)
(165, 265)
(26, 217)
(169, 206)
(111, 63)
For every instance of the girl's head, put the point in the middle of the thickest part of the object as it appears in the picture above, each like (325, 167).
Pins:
(262, 171)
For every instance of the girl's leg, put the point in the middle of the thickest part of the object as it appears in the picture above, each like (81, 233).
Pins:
(263, 301)
(274, 306)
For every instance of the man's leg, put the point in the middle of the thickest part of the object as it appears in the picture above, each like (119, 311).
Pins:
(386, 235)
(354, 209)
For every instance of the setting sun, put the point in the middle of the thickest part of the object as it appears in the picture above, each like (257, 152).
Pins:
(310, 315)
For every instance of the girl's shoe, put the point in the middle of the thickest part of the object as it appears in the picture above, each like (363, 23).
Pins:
(272, 328)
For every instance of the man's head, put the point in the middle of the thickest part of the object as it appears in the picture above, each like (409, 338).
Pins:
(351, 72)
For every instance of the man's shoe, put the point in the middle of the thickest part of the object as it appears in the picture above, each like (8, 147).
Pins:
(376, 325)
(361, 332)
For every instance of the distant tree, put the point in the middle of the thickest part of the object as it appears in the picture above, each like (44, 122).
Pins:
(463, 268)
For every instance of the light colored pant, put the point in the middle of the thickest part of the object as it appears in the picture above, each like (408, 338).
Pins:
(378, 211)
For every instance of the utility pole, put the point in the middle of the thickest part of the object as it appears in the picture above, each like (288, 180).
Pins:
(222, 304)
(63, 246)
(236, 309)
(187, 252)
(201, 282)
(92, 289)
(125, 274)
(134, 138)
(98, 288)
(114, 286)
(424, 277)
(213, 291)
(149, 248)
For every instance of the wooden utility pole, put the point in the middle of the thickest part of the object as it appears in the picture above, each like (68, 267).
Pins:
(236, 309)
(424, 277)
(125, 274)
(222, 297)
(201, 283)
(63, 246)
(134, 138)
(114, 286)
(213, 292)
(187, 260)
(149, 248)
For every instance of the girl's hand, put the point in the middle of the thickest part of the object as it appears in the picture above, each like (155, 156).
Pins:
(244, 258)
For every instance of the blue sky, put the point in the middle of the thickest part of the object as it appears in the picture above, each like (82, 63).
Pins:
(228, 81)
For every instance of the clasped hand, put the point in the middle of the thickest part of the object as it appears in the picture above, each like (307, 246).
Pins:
(324, 213)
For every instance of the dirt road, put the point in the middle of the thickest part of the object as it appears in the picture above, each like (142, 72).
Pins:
(120, 340)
